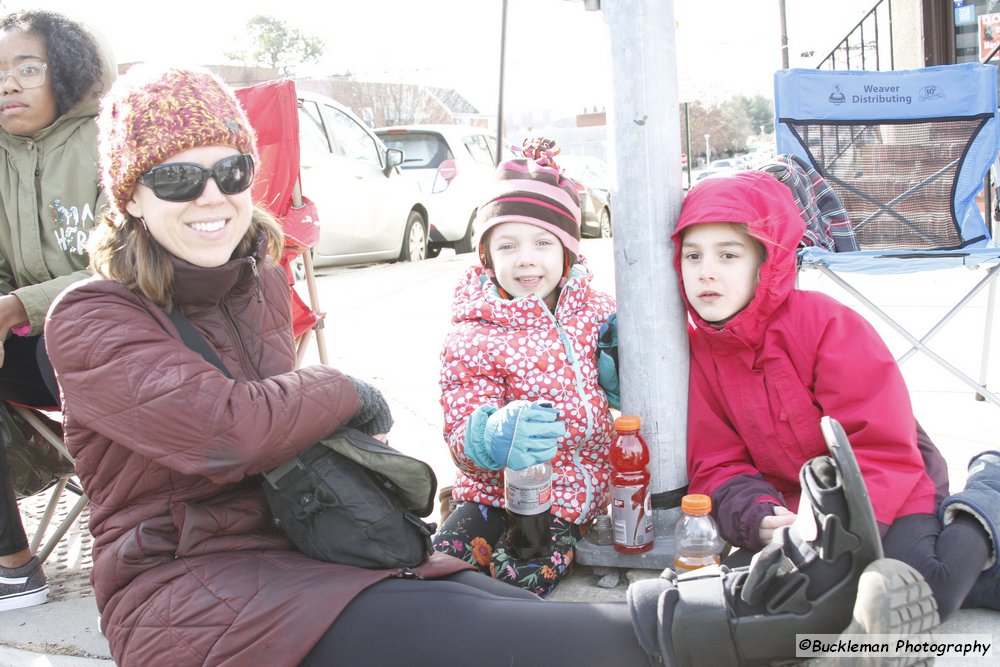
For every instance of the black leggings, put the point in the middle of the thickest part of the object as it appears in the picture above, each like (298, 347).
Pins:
(26, 375)
(24, 378)
(950, 558)
(12, 536)
(469, 619)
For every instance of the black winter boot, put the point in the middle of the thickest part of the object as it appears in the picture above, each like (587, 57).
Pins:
(985, 593)
(805, 582)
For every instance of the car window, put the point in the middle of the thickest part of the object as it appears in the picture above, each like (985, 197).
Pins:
(590, 172)
(351, 139)
(312, 134)
(480, 148)
(507, 154)
(421, 150)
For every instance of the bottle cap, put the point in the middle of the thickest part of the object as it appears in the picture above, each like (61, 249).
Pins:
(696, 503)
(628, 423)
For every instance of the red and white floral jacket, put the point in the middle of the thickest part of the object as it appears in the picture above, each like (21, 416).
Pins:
(501, 350)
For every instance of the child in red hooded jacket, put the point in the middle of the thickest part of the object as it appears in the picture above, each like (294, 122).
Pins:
(769, 360)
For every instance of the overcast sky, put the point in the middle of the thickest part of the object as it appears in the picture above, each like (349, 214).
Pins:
(557, 53)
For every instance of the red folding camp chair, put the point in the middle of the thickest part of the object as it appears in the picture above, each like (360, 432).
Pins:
(272, 108)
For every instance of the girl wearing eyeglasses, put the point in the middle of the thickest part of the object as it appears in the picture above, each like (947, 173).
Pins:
(52, 74)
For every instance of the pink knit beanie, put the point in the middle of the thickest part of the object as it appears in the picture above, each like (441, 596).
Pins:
(532, 190)
(151, 114)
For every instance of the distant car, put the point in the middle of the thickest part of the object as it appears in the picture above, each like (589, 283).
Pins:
(367, 211)
(708, 173)
(724, 164)
(454, 166)
(593, 182)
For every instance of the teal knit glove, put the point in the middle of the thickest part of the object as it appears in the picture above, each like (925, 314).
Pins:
(518, 435)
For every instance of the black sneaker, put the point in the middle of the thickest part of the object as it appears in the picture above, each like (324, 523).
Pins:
(23, 586)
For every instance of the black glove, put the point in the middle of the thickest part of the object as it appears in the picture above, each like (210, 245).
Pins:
(374, 416)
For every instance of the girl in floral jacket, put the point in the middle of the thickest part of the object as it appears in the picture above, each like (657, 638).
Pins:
(525, 332)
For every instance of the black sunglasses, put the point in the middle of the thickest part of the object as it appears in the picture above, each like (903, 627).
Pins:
(184, 181)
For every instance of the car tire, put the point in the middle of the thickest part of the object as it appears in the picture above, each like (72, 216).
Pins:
(414, 246)
(605, 223)
(464, 244)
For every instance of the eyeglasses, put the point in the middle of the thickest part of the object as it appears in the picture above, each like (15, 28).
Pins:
(27, 75)
(184, 181)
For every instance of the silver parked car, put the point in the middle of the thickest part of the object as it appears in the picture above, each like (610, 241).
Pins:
(367, 211)
(593, 183)
(454, 167)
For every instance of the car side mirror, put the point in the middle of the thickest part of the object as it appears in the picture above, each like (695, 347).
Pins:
(393, 158)
(448, 170)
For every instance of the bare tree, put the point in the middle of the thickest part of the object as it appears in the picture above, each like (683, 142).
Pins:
(380, 104)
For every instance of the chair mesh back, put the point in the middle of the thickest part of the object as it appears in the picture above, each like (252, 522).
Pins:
(896, 179)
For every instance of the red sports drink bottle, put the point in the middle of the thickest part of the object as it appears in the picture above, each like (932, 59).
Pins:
(631, 510)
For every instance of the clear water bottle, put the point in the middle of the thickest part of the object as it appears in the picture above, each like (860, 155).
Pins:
(696, 536)
(528, 498)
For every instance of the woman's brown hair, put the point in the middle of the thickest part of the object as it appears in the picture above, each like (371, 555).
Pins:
(124, 251)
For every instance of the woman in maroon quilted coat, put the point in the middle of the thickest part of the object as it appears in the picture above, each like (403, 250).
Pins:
(188, 567)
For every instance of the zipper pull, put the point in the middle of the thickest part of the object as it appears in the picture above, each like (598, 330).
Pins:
(256, 275)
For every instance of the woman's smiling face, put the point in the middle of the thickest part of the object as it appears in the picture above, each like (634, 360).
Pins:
(205, 230)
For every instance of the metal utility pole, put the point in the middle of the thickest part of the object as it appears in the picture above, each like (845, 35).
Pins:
(646, 149)
(784, 35)
(503, 62)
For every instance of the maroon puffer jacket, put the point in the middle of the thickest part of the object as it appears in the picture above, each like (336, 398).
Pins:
(188, 569)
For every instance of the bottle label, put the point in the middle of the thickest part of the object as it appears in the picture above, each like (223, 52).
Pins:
(528, 496)
(632, 514)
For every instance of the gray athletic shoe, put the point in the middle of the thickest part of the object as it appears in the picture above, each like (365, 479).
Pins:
(893, 599)
(23, 586)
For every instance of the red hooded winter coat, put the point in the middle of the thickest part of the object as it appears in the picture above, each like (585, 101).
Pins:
(188, 567)
(761, 382)
(501, 350)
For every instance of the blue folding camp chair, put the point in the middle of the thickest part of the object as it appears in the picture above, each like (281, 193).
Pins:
(907, 152)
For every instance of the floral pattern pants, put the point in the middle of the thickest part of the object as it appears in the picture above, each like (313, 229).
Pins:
(477, 534)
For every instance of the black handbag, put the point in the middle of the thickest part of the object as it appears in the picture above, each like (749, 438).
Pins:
(348, 499)
(355, 500)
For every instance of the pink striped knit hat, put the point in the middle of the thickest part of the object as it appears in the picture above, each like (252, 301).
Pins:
(532, 191)
(151, 114)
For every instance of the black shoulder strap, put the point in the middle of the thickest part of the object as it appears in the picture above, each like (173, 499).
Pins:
(196, 341)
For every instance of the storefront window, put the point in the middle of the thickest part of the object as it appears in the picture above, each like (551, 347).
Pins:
(977, 30)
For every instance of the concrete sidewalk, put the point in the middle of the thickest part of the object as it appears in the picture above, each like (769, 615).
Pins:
(369, 308)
